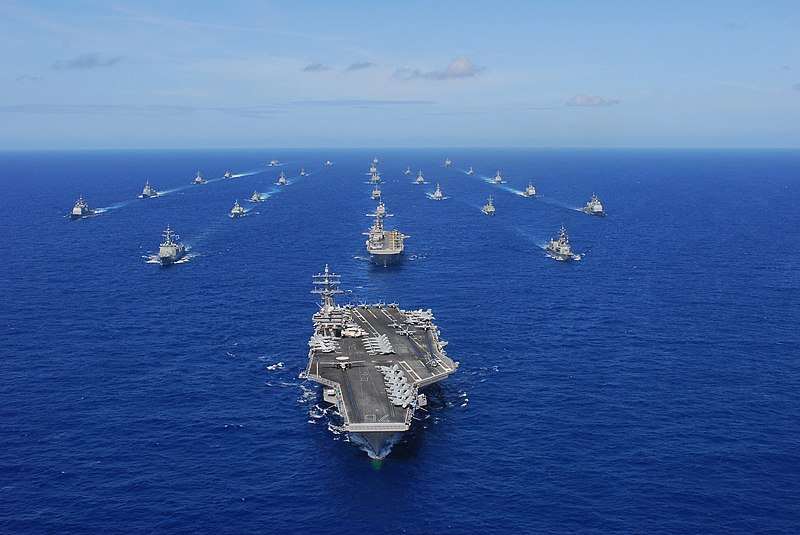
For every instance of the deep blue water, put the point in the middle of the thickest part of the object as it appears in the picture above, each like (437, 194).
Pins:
(651, 387)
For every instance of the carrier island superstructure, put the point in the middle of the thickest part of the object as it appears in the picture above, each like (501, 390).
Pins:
(372, 361)
(384, 246)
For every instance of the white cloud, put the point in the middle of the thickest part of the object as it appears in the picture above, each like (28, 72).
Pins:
(461, 67)
(585, 100)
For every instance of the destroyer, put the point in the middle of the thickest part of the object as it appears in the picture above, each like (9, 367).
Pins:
(437, 195)
(198, 179)
(384, 246)
(282, 180)
(273, 163)
(81, 209)
(148, 191)
(256, 197)
(593, 207)
(407, 171)
(373, 169)
(376, 178)
(448, 162)
(376, 193)
(237, 210)
(470, 172)
(227, 175)
(170, 250)
(488, 208)
(498, 179)
(372, 361)
(530, 191)
(420, 179)
(303, 172)
(560, 249)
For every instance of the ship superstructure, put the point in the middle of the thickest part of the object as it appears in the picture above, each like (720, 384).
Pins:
(559, 248)
(384, 246)
(171, 250)
(373, 361)
(148, 191)
(593, 207)
(530, 191)
(237, 210)
(198, 179)
(488, 208)
(81, 209)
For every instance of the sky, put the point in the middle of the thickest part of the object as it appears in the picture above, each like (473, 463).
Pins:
(248, 74)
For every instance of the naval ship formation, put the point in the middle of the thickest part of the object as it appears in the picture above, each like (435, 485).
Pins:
(373, 361)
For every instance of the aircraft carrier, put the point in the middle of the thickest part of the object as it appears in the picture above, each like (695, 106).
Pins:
(372, 361)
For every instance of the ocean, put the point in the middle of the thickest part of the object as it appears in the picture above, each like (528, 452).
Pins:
(653, 386)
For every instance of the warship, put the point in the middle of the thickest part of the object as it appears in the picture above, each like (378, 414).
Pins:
(530, 191)
(170, 250)
(256, 197)
(303, 172)
(375, 160)
(237, 210)
(448, 162)
(81, 209)
(376, 193)
(376, 178)
(273, 163)
(498, 179)
(407, 171)
(227, 175)
(198, 179)
(373, 169)
(282, 180)
(559, 248)
(420, 179)
(437, 195)
(488, 208)
(148, 191)
(372, 362)
(593, 207)
(328, 162)
(470, 172)
(384, 246)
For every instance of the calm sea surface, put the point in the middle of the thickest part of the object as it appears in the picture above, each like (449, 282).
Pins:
(651, 387)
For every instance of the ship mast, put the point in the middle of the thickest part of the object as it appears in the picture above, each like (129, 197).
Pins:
(327, 287)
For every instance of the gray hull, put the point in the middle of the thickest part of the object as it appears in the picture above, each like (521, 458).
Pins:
(386, 259)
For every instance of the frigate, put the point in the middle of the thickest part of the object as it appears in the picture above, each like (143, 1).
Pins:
(560, 249)
(488, 208)
(198, 179)
(530, 191)
(593, 207)
(81, 209)
(237, 210)
(372, 362)
(384, 246)
(148, 191)
(170, 250)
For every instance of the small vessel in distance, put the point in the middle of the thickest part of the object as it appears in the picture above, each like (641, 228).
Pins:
(81, 209)
(498, 179)
(373, 169)
(273, 163)
(170, 250)
(328, 162)
(448, 162)
(407, 171)
(530, 191)
(470, 172)
(437, 195)
(559, 248)
(198, 179)
(227, 175)
(256, 197)
(303, 172)
(282, 180)
(420, 179)
(372, 362)
(593, 207)
(376, 193)
(375, 160)
(488, 208)
(384, 246)
(237, 210)
(148, 191)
